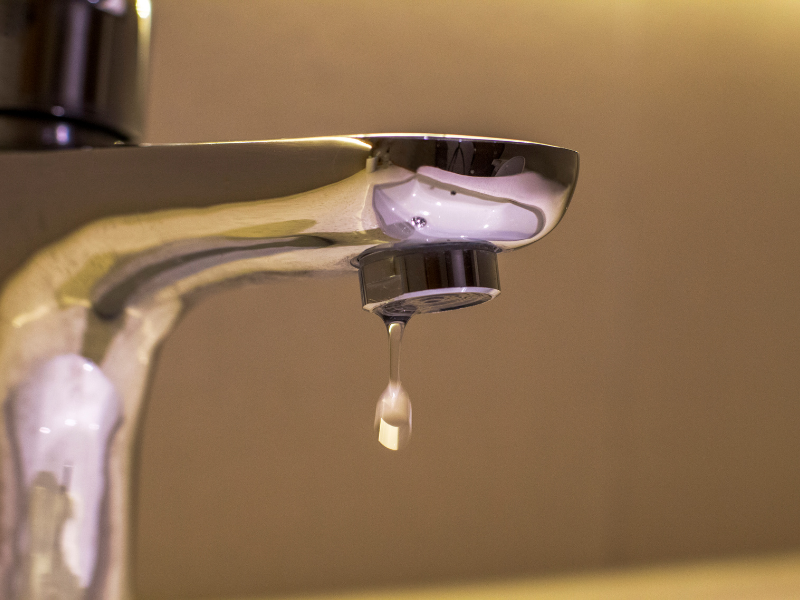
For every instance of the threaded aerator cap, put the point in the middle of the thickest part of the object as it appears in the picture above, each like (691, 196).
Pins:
(401, 281)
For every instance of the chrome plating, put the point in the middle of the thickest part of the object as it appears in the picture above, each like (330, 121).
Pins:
(73, 72)
(108, 244)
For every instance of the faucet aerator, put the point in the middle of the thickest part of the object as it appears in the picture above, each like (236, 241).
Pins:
(399, 281)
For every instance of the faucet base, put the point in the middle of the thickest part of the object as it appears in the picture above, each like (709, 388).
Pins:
(21, 130)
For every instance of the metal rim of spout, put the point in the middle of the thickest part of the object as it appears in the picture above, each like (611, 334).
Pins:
(401, 281)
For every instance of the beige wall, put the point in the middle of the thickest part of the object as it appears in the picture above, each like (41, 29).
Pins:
(632, 396)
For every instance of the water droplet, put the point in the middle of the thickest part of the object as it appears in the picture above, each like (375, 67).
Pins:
(393, 417)
(393, 412)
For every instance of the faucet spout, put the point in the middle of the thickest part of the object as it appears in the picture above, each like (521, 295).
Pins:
(108, 246)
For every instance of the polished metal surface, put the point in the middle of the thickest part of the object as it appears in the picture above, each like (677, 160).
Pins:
(48, 195)
(76, 70)
(33, 132)
(399, 281)
(462, 188)
(108, 245)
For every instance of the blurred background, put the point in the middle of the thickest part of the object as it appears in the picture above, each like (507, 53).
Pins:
(631, 398)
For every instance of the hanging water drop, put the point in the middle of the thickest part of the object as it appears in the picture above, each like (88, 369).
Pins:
(393, 412)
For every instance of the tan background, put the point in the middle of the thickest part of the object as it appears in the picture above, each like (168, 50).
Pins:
(633, 395)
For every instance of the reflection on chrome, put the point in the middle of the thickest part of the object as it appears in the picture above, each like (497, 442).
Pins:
(110, 243)
(61, 422)
(505, 208)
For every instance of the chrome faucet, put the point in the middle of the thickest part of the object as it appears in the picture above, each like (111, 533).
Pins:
(103, 246)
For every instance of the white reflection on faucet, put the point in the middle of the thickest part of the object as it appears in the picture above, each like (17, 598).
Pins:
(511, 206)
(62, 420)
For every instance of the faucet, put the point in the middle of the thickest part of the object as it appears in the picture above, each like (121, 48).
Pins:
(107, 240)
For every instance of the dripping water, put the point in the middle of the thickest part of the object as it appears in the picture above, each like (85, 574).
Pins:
(393, 412)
